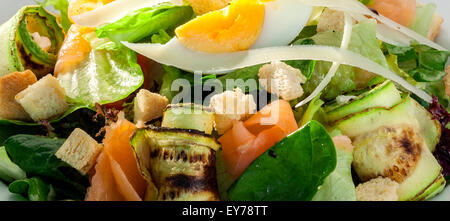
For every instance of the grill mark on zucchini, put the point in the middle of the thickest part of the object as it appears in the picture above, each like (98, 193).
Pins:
(205, 182)
(182, 164)
(179, 130)
(188, 106)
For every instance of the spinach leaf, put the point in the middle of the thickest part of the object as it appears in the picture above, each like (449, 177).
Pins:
(9, 171)
(78, 116)
(9, 128)
(423, 63)
(145, 22)
(36, 156)
(291, 170)
(224, 178)
(6, 195)
(34, 188)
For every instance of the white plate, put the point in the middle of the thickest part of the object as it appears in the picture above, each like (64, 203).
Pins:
(8, 10)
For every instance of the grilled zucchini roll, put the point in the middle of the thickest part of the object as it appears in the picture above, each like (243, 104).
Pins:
(30, 40)
(179, 163)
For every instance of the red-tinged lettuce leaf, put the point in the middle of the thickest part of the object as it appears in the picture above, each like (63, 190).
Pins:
(442, 152)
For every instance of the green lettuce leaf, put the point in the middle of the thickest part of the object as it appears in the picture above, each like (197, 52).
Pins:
(339, 186)
(408, 57)
(292, 170)
(104, 77)
(145, 22)
(422, 20)
(366, 2)
(421, 62)
(251, 73)
(170, 76)
(62, 6)
(363, 41)
(311, 111)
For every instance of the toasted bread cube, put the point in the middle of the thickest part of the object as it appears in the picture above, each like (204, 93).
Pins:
(148, 106)
(281, 79)
(229, 106)
(80, 151)
(204, 6)
(378, 189)
(331, 20)
(435, 26)
(10, 86)
(44, 100)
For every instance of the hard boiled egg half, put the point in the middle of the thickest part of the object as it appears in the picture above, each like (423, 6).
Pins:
(243, 25)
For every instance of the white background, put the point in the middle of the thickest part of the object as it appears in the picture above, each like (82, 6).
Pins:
(9, 7)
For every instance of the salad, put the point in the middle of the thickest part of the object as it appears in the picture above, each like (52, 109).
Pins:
(239, 100)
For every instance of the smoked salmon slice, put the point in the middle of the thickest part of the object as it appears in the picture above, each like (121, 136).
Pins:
(246, 141)
(116, 174)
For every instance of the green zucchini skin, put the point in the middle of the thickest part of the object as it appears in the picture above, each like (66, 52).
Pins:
(21, 51)
(180, 163)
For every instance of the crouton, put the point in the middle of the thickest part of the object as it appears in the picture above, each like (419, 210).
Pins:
(80, 151)
(10, 86)
(44, 99)
(204, 6)
(331, 20)
(447, 81)
(281, 79)
(229, 106)
(378, 189)
(148, 106)
(435, 26)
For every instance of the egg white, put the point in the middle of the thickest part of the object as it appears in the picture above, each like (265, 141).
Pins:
(283, 21)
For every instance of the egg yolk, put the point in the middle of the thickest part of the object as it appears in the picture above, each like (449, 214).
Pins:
(78, 7)
(234, 28)
(204, 6)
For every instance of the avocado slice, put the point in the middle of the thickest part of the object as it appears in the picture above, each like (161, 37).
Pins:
(384, 95)
(395, 143)
(189, 116)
